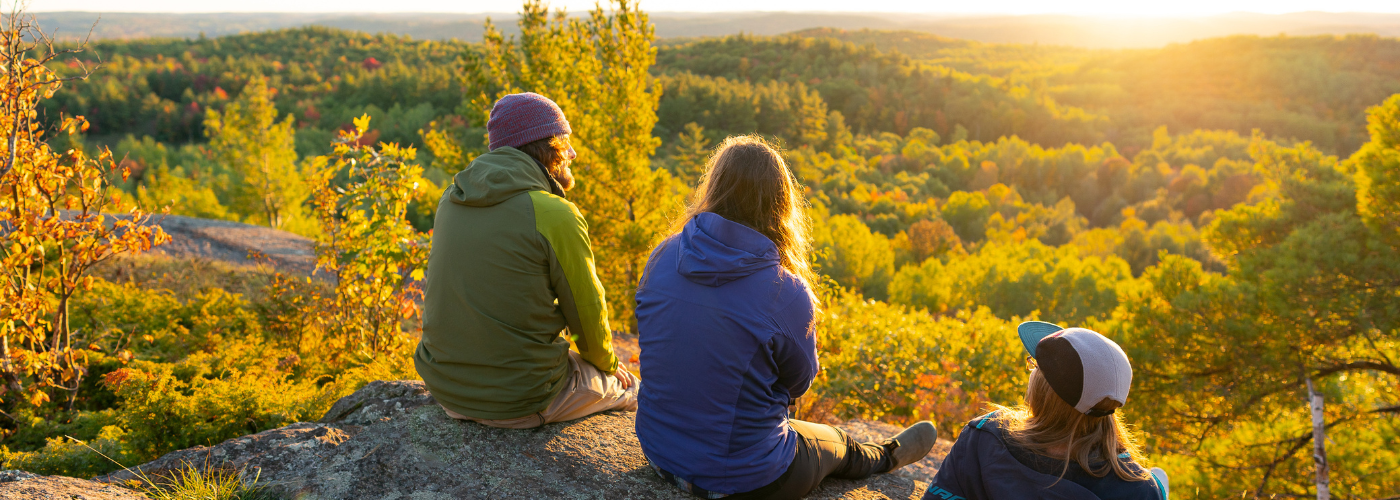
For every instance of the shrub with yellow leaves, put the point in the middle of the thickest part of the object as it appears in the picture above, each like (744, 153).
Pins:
(370, 249)
(52, 227)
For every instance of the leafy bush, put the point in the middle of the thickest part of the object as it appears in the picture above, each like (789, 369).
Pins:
(374, 255)
(70, 457)
(33, 431)
(882, 361)
(165, 411)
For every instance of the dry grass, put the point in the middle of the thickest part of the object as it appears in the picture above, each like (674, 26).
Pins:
(186, 277)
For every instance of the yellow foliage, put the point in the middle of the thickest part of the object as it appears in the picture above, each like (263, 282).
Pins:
(54, 227)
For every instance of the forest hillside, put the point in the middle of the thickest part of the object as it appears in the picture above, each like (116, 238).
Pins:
(1227, 210)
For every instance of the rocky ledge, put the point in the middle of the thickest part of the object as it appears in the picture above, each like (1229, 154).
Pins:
(390, 440)
(234, 242)
(20, 485)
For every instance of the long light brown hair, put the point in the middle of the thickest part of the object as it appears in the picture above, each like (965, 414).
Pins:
(746, 181)
(1048, 426)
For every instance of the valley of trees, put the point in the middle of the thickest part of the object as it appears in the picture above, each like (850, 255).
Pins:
(1227, 210)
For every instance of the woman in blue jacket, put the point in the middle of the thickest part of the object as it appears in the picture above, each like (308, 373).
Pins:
(726, 317)
(1066, 442)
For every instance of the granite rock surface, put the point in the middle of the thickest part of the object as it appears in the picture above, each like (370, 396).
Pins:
(390, 440)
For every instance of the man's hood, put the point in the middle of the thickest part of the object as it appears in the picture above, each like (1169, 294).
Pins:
(497, 176)
(715, 251)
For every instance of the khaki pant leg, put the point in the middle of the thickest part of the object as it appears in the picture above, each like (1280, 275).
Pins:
(591, 391)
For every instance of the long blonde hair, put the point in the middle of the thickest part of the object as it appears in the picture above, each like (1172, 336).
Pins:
(1045, 422)
(746, 181)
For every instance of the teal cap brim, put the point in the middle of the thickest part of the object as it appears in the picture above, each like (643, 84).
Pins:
(1032, 331)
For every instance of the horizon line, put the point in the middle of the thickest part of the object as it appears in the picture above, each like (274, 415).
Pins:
(713, 13)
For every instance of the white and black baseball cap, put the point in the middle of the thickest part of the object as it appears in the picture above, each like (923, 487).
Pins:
(1082, 366)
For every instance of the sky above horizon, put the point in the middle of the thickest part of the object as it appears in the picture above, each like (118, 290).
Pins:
(1130, 8)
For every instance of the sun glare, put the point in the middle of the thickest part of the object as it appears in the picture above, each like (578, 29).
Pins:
(1111, 8)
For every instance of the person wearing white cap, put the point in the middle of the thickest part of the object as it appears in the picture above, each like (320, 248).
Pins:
(1066, 441)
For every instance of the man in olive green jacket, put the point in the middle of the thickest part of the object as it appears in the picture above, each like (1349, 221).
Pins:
(511, 268)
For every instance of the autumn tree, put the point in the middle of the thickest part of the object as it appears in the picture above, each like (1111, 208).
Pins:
(933, 238)
(1311, 291)
(1377, 166)
(367, 244)
(248, 138)
(595, 68)
(846, 250)
(52, 227)
(1014, 279)
(968, 214)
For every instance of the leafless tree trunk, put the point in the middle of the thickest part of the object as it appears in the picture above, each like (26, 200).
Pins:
(1319, 439)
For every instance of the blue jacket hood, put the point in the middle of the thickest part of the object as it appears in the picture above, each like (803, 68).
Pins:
(715, 250)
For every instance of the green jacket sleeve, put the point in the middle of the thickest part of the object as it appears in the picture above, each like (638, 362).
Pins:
(576, 283)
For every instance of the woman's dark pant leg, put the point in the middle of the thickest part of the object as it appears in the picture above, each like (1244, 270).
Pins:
(823, 450)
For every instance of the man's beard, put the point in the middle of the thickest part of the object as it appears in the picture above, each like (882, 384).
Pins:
(565, 177)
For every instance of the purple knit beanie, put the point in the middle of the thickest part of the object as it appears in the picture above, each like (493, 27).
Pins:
(519, 119)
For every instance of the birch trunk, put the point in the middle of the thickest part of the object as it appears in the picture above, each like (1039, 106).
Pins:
(1319, 439)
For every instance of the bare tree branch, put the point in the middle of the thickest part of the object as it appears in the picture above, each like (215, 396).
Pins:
(1387, 409)
(1362, 365)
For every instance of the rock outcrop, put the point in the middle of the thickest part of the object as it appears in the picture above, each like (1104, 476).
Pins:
(231, 242)
(390, 440)
(20, 485)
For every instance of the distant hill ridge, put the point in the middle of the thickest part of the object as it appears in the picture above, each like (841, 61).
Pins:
(1078, 31)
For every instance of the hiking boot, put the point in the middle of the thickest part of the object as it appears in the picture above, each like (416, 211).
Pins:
(911, 445)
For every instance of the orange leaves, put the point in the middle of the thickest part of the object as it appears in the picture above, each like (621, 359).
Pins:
(37, 398)
(117, 378)
(55, 231)
(74, 125)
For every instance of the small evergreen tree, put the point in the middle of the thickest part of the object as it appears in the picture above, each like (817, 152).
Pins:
(1309, 293)
(247, 137)
(692, 151)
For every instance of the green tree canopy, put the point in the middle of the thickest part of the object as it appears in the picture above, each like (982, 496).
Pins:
(1310, 292)
(848, 252)
(1377, 166)
(250, 140)
(1015, 279)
